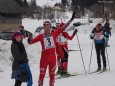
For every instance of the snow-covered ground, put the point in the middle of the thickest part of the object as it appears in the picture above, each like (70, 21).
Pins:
(75, 61)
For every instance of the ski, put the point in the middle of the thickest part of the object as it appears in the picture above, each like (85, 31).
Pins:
(98, 72)
(102, 71)
(73, 50)
(93, 72)
(70, 75)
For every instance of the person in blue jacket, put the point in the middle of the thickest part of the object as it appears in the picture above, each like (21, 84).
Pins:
(98, 34)
(20, 61)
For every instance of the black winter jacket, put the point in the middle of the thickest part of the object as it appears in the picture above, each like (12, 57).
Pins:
(19, 55)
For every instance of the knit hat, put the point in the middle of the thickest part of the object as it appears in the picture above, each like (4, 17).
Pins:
(17, 34)
(99, 26)
(21, 27)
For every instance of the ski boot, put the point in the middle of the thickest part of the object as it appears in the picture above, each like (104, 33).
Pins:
(59, 71)
(104, 69)
(99, 69)
(65, 73)
(40, 83)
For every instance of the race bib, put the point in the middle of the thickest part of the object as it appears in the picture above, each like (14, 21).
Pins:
(62, 39)
(48, 42)
(98, 37)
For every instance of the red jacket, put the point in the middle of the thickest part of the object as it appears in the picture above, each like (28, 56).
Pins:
(62, 41)
(48, 41)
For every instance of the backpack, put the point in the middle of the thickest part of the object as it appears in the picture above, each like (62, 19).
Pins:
(24, 76)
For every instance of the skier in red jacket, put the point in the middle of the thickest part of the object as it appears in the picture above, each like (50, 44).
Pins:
(62, 51)
(48, 56)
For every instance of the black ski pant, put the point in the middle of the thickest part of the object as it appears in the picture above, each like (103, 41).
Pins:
(65, 55)
(18, 83)
(100, 51)
(64, 61)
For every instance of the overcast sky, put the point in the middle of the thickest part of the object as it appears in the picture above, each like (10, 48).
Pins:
(46, 2)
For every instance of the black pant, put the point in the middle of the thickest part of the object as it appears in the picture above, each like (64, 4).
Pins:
(65, 55)
(100, 51)
(18, 83)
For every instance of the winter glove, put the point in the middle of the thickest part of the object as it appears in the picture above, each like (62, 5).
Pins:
(29, 38)
(75, 31)
(30, 35)
(91, 36)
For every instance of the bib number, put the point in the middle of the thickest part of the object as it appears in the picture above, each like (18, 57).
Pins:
(99, 37)
(62, 39)
(48, 42)
(59, 39)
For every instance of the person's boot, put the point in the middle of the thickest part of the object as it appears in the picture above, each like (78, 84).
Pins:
(65, 73)
(40, 83)
(52, 83)
(98, 69)
(61, 72)
(104, 69)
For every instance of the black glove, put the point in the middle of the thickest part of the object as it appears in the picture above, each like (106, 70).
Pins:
(29, 39)
(91, 36)
(75, 31)
(30, 35)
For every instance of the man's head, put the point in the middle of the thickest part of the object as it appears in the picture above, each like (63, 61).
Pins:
(57, 25)
(99, 26)
(47, 26)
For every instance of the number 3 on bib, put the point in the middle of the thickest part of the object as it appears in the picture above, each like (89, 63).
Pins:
(48, 42)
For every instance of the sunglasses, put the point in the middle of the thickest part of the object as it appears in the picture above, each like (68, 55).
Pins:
(47, 24)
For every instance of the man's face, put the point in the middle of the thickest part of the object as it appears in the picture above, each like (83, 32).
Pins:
(47, 27)
(21, 28)
(97, 28)
(18, 39)
(57, 26)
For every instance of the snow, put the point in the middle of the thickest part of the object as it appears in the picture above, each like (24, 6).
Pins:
(75, 61)
(32, 24)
